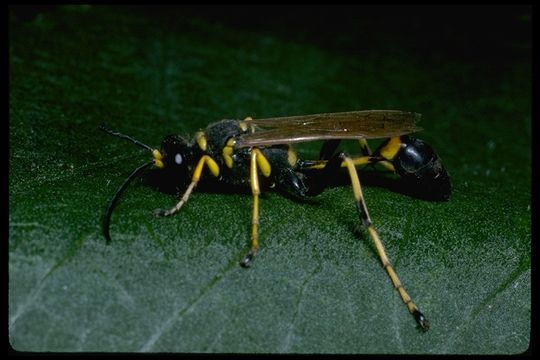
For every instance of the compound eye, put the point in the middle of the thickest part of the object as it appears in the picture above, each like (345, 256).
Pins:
(178, 159)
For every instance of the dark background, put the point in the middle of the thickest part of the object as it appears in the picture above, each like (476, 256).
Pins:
(492, 34)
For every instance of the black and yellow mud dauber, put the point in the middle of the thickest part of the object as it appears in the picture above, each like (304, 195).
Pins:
(258, 154)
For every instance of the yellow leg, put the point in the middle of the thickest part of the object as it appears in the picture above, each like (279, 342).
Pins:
(365, 147)
(366, 220)
(367, 151)
(387, 165)
(258, 161)
(214, 170)
(358, 161)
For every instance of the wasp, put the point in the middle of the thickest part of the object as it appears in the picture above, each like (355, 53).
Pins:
(258, 154)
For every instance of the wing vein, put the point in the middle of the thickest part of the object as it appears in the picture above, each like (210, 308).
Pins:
(368, 124)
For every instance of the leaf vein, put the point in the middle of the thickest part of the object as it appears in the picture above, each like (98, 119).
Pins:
(179, 314)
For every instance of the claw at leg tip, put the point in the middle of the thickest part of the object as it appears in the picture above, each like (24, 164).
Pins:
(160, 212)
(246, 262)
(421, 320)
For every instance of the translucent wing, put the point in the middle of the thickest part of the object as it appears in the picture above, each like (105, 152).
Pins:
(368, 124)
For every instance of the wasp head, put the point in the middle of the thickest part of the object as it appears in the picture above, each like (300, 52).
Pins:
(174, 162)
(176, 155)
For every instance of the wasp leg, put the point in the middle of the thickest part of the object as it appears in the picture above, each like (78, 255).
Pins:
(328, 149)
(366, 220)
(214, 170)
(258, 161)
(316, 183)
(358, 161)
(366, 151)
(330, 146)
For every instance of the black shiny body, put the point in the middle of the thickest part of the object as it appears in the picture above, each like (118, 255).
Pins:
(284, 177)
(420, 168)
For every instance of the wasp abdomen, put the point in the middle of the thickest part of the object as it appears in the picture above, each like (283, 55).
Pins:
(422, 169)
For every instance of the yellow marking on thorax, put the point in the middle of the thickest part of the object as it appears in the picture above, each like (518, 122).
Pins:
(243, 124)
(201, 140)
(390, 150)
(158, 159)
(227, 153)
(291, 156)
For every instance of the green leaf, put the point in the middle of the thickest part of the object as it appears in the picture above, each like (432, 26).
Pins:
(317, 286)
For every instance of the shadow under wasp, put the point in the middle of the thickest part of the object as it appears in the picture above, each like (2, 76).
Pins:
(258, 154)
